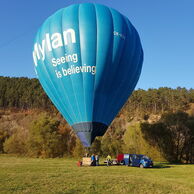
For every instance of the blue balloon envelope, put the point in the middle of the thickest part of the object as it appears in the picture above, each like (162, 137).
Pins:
(88, 59)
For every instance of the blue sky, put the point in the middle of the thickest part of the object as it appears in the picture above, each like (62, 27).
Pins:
(166, 28)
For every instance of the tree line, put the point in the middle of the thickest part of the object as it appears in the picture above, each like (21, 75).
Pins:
(159, 101)
(25, 93)
(22, 93)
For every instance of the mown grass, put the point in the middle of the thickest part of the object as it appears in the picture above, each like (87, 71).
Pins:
(27, 175)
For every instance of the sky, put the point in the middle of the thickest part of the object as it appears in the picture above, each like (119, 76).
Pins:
(166, 29)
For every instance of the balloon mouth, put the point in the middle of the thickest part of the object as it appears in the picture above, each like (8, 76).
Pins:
(87, 131)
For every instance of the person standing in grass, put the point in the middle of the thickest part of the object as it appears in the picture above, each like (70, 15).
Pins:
(108, 160)
(97, 160)
(93, 160)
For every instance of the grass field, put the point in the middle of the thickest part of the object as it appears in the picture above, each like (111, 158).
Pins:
(27, 175)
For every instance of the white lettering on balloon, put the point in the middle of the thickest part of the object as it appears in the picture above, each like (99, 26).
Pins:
(68, 63)
(54, 41)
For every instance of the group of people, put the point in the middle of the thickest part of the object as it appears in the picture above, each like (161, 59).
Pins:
(94, 160)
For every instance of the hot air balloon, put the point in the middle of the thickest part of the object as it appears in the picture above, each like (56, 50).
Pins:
(88, 59)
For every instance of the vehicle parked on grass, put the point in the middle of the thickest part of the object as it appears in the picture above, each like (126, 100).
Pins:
(138, 160)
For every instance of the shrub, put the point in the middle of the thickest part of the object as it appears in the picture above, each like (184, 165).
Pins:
(15, 144)
(45, 140)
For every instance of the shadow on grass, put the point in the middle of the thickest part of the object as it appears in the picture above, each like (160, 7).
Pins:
(160, 166)
(179, 164)
(156, 166)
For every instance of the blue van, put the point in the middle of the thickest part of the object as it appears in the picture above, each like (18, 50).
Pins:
(138, 160)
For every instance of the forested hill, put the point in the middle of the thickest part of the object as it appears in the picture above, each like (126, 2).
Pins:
(155, 122)
(24, 93)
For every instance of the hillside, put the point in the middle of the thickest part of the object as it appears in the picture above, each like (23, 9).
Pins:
(24, 107)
